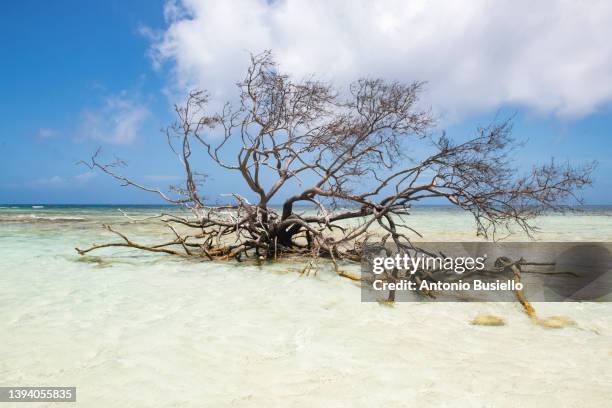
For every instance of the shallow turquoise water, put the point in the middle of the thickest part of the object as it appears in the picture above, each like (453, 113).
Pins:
(134, 329)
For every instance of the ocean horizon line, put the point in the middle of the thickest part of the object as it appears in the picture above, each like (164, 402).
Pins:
(220, 204)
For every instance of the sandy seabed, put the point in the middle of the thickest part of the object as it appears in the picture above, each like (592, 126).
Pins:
(170, 335)
(134, 330)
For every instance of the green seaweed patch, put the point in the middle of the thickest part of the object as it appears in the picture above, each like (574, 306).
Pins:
(98, 261)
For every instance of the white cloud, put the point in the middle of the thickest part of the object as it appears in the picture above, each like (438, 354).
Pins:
(549, 55)
(46, 133)
(55, 182)
(84, 177)
(118, 121)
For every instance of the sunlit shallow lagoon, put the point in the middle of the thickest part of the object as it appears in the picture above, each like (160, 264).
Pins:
(134, 329)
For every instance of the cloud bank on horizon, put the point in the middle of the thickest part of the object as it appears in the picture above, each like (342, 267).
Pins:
(549, 56)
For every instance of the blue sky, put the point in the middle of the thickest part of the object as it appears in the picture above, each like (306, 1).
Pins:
(75, 76)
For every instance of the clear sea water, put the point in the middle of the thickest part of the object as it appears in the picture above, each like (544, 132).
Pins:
(132, 329)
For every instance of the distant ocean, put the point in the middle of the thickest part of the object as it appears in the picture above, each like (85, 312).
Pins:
(129, 328)
(81, 222)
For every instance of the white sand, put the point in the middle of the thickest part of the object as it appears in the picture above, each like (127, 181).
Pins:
(170, 335)
(149, 331)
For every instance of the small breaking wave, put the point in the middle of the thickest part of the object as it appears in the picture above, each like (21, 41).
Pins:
(25, 218)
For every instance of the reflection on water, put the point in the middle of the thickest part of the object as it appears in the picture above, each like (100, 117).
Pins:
(134, 329)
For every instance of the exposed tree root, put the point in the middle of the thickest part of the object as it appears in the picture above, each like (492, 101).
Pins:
(515, 269)
(555, 322)
(349, 276)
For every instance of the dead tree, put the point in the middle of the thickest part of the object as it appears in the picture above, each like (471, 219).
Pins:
(349, 156)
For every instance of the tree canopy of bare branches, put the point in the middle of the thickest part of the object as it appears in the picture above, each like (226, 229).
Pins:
(348, 154)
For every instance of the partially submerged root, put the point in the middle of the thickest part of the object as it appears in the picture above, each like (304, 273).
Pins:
(488, 320)
(311, 266)
(514, 268)
(387, 303)
(555, 322)
(349, 276)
